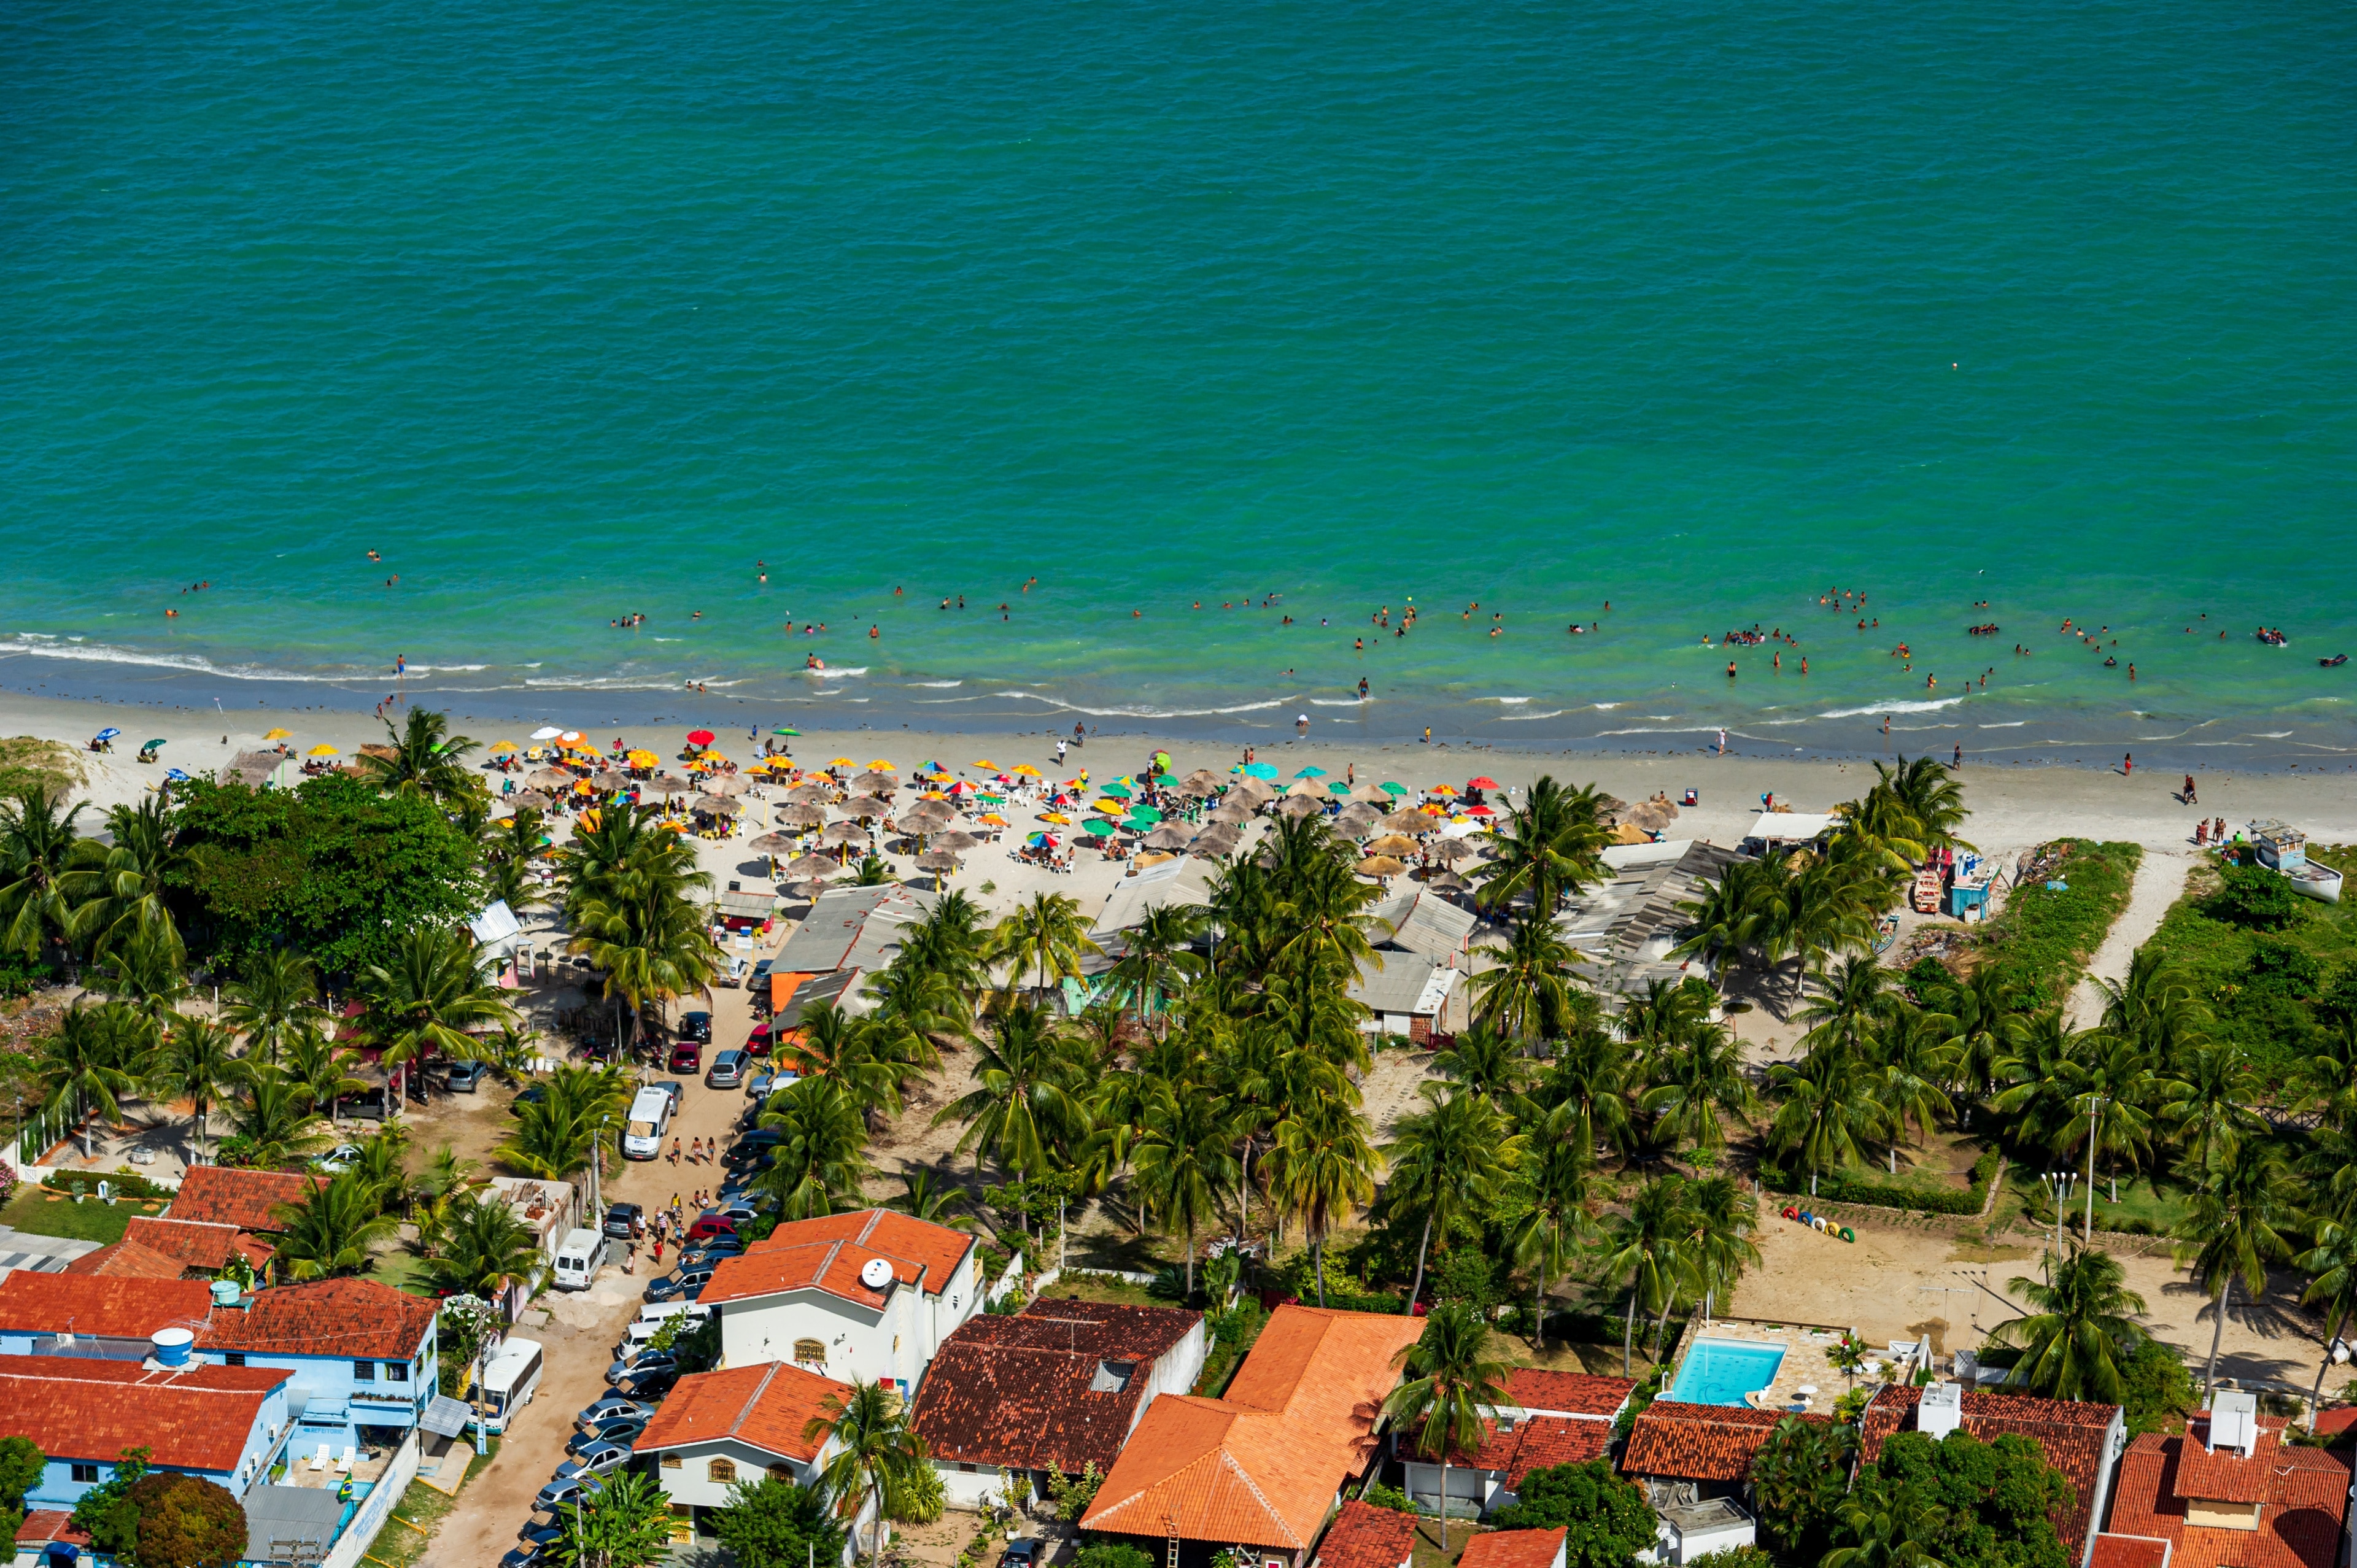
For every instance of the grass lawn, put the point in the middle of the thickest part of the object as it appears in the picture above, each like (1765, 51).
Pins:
(1119, 1293)
(42, 1212)
(2044, 937)
(2263, 986)
(398, 1546)
(403, 1270)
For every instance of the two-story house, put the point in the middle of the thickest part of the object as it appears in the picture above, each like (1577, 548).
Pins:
(360, 1356)
(741, 1423)
(226, 1424)
(860, 1297)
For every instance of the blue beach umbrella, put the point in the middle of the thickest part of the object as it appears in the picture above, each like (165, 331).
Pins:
(176, 776)
(109, 733)
(1311, 773)
(1261, 770)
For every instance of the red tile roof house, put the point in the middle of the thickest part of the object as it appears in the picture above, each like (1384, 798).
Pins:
(2083, 1440)
(1364, 1536)
(715, 1429)
(1695, 1462)
(2229, 1493)
(95, 1315)
(224, 1424)
(865, 1297)
(1548, 1419)
(1516, 1548)
(361, 1356)
(1053, 1388)
(249, 1201)
(1261, 1466)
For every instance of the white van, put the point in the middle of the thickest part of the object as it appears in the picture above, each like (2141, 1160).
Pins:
(641, 1328)
(578, 1259)
(650, 1119)
(510, 1380)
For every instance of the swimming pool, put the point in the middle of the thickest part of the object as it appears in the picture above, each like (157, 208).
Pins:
(1721, 1371)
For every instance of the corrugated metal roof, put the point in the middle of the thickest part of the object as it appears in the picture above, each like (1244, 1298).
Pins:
(1419, 920)
(852, 928)
(1152, 888)
(1408, 982)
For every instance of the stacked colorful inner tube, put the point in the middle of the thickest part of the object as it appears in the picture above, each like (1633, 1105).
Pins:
(1819, 1223)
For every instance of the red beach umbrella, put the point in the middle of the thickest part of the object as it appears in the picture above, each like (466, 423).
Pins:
(1484, 782)
(699, 737)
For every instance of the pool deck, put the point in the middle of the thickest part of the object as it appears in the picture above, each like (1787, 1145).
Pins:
(1804, 1365)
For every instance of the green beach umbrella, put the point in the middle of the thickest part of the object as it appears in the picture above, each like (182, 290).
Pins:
(151, 746)
(785, 729)
(1338, 787)
(1119, 791)
(1168, 781)
(1098, 827)
(1388, 788)
(1311, 773)
(1146, 814)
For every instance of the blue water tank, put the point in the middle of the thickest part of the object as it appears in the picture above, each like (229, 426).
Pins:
(225, 1293)
(172, 1346)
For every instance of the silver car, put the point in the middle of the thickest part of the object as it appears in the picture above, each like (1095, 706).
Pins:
(727, 1071)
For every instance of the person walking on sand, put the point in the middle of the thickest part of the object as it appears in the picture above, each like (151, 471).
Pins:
(2127, 765)
(1722, 743)
(674, 1152)
(2188, 790)
(1959, 760)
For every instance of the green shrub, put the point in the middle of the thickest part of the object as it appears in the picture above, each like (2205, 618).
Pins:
(2042, 939)
(1607, 1519)
(2254, 898)
(915, 1496)
(123, 1184)
(1377, 1495)
(1112, 1554)
(186, 1522)
(1733, 1557)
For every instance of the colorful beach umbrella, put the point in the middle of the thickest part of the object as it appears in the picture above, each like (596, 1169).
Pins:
(1146, 814)
(152, 744)
(1338, 787)
(1113, 808)
(987, 765)
(175, 776)
(1055, 816)
(699, 737)
(785, 729)
(109, 733)
(505, 745)
(1118, 790)
(880, 766)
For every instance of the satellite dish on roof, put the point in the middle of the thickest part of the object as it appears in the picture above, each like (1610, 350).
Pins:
(876, 1273)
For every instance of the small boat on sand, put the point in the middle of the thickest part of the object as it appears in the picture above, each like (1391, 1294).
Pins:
(2285, 850)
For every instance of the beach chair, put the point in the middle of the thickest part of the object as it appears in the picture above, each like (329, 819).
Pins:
(319, 1460)
(344, 1465)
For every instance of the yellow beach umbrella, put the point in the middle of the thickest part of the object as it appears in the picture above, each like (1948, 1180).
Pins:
(503, 746)
(324, 750)
(882, 766)
(589, 820)
(581, 787)
(846, 762)
(643, 759)
(1055, 816)
(986, 762)
(1025, 770)
(276, 733)
(675, 827)
(994, 819)
(714, 759)
(1113, 808)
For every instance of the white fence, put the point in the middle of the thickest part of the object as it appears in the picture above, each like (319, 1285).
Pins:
(360, 1534)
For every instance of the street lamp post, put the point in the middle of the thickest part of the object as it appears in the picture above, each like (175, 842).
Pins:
(2095, 1110)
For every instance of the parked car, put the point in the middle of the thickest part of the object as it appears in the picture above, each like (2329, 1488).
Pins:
(696, 1027)
(727, 1070)
(563, 1488)
(757, 1044)
(687, 1056)
(588, 1449)
(342, 1157)
(613, 1407)
(712, 1249)
(467, 1076)
(624, 1220)
(532, 1094)
(522, 1557)
(652, 1384)
(738, 1211)
(758, 1088)
(645, 1361)
(540, 1536)
(673, 1088)
(711, 1225)
(679, 1284)
(361, 1105)
(611, 1432)
(1022, 1553)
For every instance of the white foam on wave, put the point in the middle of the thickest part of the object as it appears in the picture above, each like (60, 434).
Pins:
(600, 683)
(1144, 712)
(447, 669)
(1526, 718)
(42, 647)
(833, 673)
(1339, 701)
(2271, 734)
(937, 686)
(1881, 708)
(1508, 702)
(1604, 707)
(2010, 723)
(1706, 729)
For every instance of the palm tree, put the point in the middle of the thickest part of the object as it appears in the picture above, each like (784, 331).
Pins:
(2079, 1331)
(125, 892)
(274, 1114)
(1046, 935)
(508, 848)
(1324, 1169)
(446, 1185)
(1486, 1062)
(1452, 1381)
(1894, 1526)
(2110, 1092)
(196, 1061)
(90, 1060)
(1181, 1161)
(1526, 993)
(653, 942)
(2332, 1267)
(924, 1195)
(334, 1230)
(2210, 1103)
(1447, 1162)
(1989, 1016)
(874, 1447)
(1546, 849)
(426, 760)
(1560, 1224)
(1696, 1079)
(427, 998)
(149, 969)
(1718, 1247)
(1829, 1113)
(1589, 1073)
(556, 1137)
(2154, 1005)
(1158, 957)
(1648, 1248)
(2247, 1202)
(822, 1159)
(1027, 1095)
(1915, 1053)
(1852, 996)
(842, 1047)
(482, 1249)
(279, 985)
(37, 843)
(316, 1062)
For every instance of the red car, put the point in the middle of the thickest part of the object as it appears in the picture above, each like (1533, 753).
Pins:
(687, 1056)
(711, 1225)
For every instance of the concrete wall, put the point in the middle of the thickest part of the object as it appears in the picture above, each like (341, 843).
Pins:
(361, 1534)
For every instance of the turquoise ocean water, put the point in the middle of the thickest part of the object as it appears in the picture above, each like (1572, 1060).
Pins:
(575, 312)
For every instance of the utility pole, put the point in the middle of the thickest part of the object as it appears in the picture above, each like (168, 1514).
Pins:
(2093, 1110)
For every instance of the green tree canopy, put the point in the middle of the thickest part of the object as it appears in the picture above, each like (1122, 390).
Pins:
(771, 1523)
(333, 868)
(1996, 1498)
(186, 1522)
(1607, 1519)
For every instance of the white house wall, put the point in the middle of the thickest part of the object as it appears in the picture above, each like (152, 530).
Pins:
(863, 1345)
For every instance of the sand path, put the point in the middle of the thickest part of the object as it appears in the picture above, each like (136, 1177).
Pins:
(2159, 881)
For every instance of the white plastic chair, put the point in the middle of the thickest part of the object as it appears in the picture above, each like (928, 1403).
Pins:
(344, 1465)
(319, 1460)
